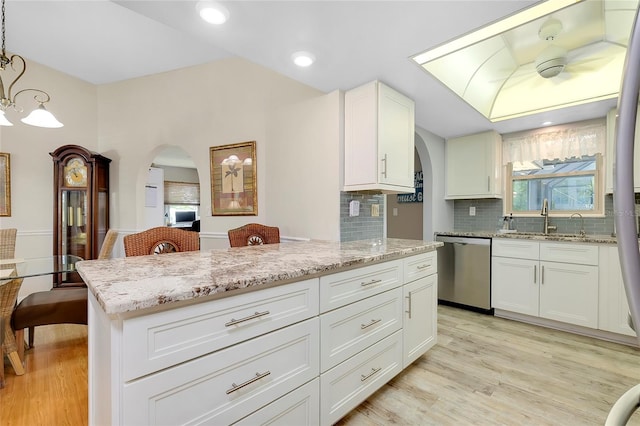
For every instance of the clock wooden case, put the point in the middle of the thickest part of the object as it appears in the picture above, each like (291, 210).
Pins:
(80, 205)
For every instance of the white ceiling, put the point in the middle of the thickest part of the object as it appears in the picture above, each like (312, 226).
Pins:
(354, 42)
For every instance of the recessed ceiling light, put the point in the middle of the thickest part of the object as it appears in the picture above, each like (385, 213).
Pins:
(212, 12)
(547, 123)
(303, 59)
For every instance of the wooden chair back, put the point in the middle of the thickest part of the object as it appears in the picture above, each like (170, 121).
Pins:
(160, 240)
(8, 243)
(107, 245)
(254, 234)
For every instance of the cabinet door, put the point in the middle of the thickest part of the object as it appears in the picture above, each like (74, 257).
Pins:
(613, 308)
(569, 293)
(360, 134)
(514, 285)
(609, 160)
(420, 326)
(395, 137)
(474, 166)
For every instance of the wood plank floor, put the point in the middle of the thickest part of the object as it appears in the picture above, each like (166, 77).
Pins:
(483, 371)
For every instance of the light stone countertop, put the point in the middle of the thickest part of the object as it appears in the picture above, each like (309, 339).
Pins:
(133, 283)
(594, 239)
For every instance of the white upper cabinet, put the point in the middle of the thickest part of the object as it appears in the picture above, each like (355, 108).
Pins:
(474, 166)
(611, 153)
(379, 139)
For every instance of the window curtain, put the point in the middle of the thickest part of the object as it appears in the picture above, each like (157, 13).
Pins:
(561, 142)
(181, 193)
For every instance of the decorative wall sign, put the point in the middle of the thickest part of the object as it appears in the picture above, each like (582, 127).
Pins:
(234, 188)
(417, 196)
(5, 184)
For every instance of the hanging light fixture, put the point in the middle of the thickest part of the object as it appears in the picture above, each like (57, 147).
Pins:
(39, 117)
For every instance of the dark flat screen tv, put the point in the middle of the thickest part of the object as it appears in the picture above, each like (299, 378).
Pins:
(185, 216)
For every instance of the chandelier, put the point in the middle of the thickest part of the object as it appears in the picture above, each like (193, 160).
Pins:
(39, 117)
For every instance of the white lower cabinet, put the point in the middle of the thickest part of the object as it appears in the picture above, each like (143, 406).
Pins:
(350, 329)
(351, 382)
(556, 281)
(420, 326)
(300, 407)
(613, 305)
(236, 381)
(303, 353)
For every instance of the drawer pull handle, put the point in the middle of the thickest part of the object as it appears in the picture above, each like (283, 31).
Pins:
(250, 317)
(373, 371)
(420, 267)
(235, 387)
(409, 311)
(373, 321)
(370, 282)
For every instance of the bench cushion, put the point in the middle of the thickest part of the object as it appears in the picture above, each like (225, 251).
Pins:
(60, 306)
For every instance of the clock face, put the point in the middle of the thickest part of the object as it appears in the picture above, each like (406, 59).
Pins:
(75, 172)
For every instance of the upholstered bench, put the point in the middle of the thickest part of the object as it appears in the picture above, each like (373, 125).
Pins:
(59, 306)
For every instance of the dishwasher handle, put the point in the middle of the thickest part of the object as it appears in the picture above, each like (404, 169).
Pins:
(464, 240)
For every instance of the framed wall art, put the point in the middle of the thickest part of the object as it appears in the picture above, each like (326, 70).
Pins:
(5, 184)
(234, 188)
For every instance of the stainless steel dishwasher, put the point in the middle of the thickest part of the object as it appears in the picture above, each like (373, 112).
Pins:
(464, 271)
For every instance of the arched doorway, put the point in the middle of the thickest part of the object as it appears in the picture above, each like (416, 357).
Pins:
(172, 190)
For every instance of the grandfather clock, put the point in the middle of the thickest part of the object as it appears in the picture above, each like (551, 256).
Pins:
(80, 205)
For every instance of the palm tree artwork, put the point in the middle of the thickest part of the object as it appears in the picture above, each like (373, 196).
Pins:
(233, 176)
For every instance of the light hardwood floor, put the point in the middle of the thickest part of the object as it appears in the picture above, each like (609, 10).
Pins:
(483, 371)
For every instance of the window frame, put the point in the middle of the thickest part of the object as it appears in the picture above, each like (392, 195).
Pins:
(598, 198)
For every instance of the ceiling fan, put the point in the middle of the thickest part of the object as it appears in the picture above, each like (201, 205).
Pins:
(553, 59)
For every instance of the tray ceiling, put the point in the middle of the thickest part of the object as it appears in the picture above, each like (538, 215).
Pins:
(497, 74)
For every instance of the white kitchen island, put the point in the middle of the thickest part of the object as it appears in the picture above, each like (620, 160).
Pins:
(292, 333)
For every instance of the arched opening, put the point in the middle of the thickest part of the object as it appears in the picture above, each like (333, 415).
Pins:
(172, 190)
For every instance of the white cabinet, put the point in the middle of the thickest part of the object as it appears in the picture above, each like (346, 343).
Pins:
(613, 306)
(236, 381)
(560, 283)
(300, 407)
(374, 321)
(420, 325)
(514, 285)
(611, 131)
(379, 139)
(301, 353)
(474, 166)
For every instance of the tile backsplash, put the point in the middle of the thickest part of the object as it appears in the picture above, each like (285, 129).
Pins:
(363, 226)
(489, 218)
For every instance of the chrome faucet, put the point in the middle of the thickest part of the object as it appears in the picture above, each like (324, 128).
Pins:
(582, 233)
(545, 213)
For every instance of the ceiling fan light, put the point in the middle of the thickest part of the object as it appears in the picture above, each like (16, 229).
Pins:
(213, 13)
(551, 61)
(40, 117)
(3, 120)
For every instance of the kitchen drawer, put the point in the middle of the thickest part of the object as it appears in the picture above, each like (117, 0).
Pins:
(346, 331)
(346, 287)
(161, 340)
(300, 407)
(226, 386)
(583, 254)
(520, 249)
(420, 266)
(345, 386)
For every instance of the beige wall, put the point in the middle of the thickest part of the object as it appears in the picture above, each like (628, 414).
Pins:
(303, 181)
(224, 102)
(195, 108)
(74, 103)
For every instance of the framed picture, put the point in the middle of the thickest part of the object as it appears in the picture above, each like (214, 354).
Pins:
(5, 185)
(234, 188)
